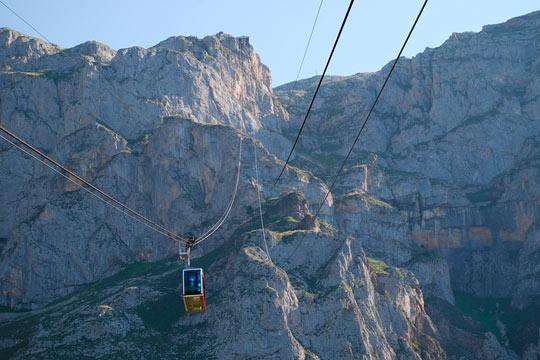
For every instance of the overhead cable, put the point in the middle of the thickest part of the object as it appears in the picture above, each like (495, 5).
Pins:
(26, 22)
(304, 57)
(259, 186)
(316, 91)
(172, 235)
(220, 222)
(372, 107)
(168, 233)
(84, 188)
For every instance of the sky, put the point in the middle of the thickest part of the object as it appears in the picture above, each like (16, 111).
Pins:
(278, 29)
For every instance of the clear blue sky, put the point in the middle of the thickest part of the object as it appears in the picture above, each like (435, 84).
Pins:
(278, 29)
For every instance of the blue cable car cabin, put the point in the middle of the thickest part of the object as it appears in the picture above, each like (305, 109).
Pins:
(194, 292)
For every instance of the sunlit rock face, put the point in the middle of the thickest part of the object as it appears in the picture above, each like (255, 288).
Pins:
(152, 127)
(162, 129)
(448, 162)
(443, 180)
(439, 202)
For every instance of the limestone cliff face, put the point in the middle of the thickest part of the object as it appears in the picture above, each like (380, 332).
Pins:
(132, 123)
(444, 178)
(161, 129)
(449, 157)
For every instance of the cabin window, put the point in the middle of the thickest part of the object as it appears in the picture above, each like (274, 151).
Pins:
(192, 282)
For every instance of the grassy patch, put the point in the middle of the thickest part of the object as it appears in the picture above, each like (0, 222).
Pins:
(415, 347)
(521, 326)
(379, 267)
(162, 313)
(482, 310)
(309, 354)
(255, 253)
(378, 202)
(346, 287)
(300, 172)
(326, 225)
(282, 235)
(310, 295)
(291, 220)
(281, 224)
(368, 199)
(399, 273)
(146, 139)
(27, 73)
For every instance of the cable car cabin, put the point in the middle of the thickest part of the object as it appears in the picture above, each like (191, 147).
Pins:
(194, 292)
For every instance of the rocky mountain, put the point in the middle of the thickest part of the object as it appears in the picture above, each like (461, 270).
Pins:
(428, 247)
(450, 157)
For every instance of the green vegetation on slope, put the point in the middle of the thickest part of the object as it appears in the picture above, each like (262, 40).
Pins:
(379, 267)
(484, 311)
(520, 327)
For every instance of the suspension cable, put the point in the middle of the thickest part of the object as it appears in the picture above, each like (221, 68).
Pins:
(223, 216)
(259, 200)
(220, 222)
(171, 235)
(315, 94)
(304, 57)
(26, 22)
(85, 189)
(372, 107)
(168, 233)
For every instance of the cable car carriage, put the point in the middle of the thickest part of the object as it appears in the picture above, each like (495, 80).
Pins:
(193, 286)
(194, 292)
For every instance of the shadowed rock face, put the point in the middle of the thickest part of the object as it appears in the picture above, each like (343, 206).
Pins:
(441, 195)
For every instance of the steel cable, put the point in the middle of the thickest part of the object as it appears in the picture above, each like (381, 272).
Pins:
(315, 94)
(372, 107)
(305, 53)
(216, 224)
(220, 222)
(259, 201)
(170, 234)
(85, 189)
